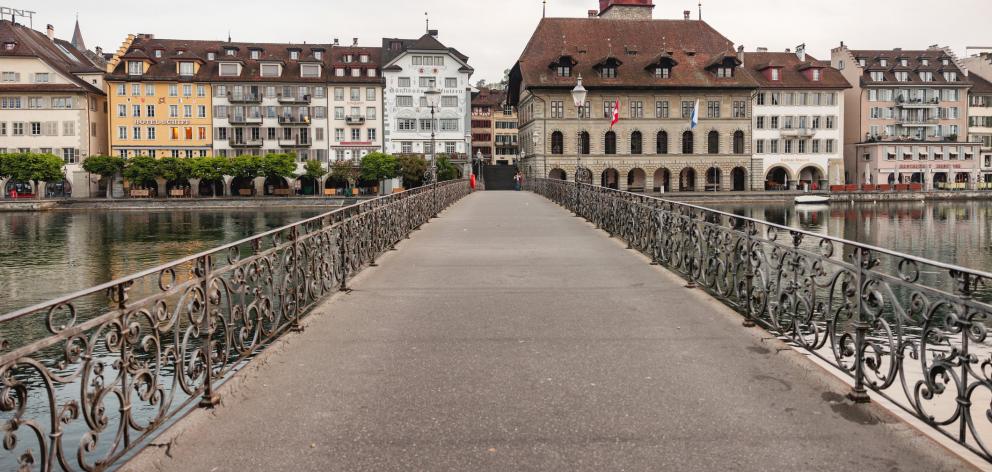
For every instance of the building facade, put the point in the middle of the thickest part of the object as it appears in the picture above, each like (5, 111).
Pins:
(980, 110)
(411, 68)
(52, 101)
(657, 70)
(355, 100)
(798, 120)
(906, 118)
(159, 95)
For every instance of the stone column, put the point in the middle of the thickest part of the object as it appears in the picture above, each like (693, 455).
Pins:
(163, 190)
(259, 186)
(3, 187)
(227, 180)
(40, 187)
(194, 188)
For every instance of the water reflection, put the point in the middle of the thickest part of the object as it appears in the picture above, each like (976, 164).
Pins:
(48, 254)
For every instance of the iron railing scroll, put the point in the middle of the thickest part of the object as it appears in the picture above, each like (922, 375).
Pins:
(912, 330)
(88, 378)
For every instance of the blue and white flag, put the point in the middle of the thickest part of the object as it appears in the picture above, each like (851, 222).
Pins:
(695, 116)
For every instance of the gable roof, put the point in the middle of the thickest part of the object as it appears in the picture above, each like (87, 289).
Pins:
(914, 65)
(693, 45)
(791, 74)
(979, 84)
(395, 47)
(58, 54)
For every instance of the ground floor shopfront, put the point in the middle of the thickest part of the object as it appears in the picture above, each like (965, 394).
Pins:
(930, 166)
(677, 174)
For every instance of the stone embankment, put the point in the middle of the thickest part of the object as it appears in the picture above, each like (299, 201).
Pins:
(174, 204)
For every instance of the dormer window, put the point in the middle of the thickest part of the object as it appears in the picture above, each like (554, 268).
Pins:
(356, 72)
(951, 76)
(229, 69)
(186, 69)
(310, 70)
(211, 56)
(815, 74)
(371, 73)
(775, 74)
(339, 72)
(269, 70)
(563, 66)
(135, 68)
(662, 72)
(364, 58)
(158, 53)
(945, 61)
(608, 68)
(564, 70)
(230, 51)
(878, 76)
(926, 76)
(8, 46)
(255, 54)
(904, 62)
(883, 62)
(724, 72)
(902, 76)
(608, 72)
(925, 62)
(318, 55)
(294, 55)
(348, 58)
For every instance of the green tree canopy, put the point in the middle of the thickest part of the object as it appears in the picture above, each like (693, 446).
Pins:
(313, 169)
(141, 169)
(445, 169)
(209, 168)
(278, 165)
(247, 167)
(28, 167)
(377, 166)
(412, 168)
(344, 171)
(104, 166)
(4, 171)
(174, 168)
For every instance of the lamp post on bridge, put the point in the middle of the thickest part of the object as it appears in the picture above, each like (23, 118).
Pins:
(579, 98)
(433, 100)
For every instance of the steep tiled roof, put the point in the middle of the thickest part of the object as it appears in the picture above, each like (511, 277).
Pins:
(639, 44)
(176, 50)
(791, 71)
(489, 97)
(914, 64)
(58, 54)
(426, 42)
(979, 84)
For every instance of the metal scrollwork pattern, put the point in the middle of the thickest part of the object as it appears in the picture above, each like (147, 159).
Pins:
(89, 377)
(907, 328)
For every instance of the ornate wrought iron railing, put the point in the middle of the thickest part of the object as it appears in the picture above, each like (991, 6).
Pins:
(87, 378)
(910, 329)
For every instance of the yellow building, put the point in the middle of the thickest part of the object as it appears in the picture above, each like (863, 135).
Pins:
(159, 104)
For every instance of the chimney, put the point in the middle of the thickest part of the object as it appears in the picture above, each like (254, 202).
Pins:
(626, 9)
(51, 33)
(842, 44)
(336, 42)
(99, 51)
(788, 50)
(762, 49)
(740, 54)
(593, 13)
(801, 52)
(354, 41)
(685, 14)
(432, 33)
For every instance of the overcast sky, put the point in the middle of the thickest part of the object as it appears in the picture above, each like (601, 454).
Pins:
(493, 33)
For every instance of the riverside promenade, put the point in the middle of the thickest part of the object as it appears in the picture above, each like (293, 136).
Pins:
(509, 335)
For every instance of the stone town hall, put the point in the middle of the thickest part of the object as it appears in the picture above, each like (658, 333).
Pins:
(659, 70)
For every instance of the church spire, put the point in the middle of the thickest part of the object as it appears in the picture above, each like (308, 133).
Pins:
(77, 37)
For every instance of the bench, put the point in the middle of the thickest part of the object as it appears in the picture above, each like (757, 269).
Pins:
(246, 192)
(177, 193)
(141, 193)
(281, 192)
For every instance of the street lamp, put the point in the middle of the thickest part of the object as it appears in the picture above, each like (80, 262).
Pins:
(479, 157)
(433, 100)
(579, 98)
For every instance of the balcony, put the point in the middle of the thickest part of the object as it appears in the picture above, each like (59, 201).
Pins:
(798, 132)
(917, 103)
(246, 142)
(294, 142)
(294, 99)
(245, 120)
(917, 123)
(355, 119)
(244, 98)
(292, 120)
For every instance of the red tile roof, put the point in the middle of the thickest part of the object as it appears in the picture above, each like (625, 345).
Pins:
(57, 53)
(979, 84)
(914, 64)
(791, 73)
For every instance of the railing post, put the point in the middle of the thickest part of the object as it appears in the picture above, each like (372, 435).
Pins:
(342, 252)
(691, 266)
(298, 306)
(210, 398)
(859, 394)
(749, 231)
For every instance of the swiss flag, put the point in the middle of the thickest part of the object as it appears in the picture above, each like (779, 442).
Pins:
(616, 113)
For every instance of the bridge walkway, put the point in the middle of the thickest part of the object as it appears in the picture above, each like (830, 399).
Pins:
(510, 335)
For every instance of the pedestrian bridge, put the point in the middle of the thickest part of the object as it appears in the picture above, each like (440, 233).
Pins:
(507, 334)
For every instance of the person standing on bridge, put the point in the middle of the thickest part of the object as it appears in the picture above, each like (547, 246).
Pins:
(518, 181)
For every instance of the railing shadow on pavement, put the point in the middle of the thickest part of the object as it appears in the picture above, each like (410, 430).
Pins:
(910, 329)
(89, 378)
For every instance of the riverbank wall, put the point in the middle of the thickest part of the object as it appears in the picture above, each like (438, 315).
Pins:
(788, 197)
(134, 204)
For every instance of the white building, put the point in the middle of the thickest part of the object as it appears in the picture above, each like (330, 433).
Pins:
(51, 102)
(411, 68)
(798, 120)
(355, 101)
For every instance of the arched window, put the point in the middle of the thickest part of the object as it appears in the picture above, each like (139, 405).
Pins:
(713, 142)
(687, 142)
(610, 143)
(738, 142)
(557, 143)
(661, 146)
(635, 142)
(584, 139)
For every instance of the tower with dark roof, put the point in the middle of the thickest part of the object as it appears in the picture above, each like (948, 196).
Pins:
(77, 38)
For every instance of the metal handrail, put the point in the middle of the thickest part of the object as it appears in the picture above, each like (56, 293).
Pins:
(159, 341)
(911, 329)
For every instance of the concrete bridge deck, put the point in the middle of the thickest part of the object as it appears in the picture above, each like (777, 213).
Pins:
(509, 335)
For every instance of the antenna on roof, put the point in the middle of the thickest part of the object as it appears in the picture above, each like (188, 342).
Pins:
(544, 8)
(609, 44)
(428, 18)
(700, 11)
(228, 35)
